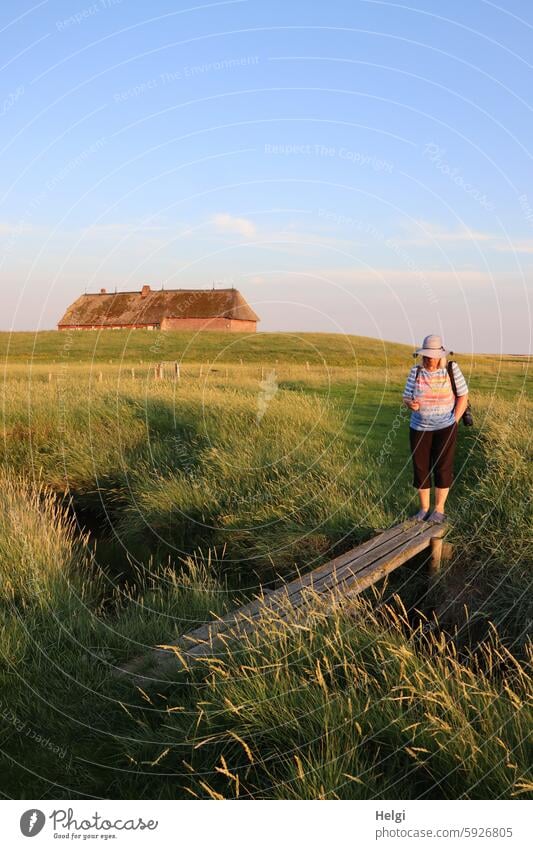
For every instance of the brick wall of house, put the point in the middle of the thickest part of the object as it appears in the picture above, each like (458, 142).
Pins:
(231, 325)
(240, 326)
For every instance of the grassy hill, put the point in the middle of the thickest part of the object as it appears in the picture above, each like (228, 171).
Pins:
(152, 346)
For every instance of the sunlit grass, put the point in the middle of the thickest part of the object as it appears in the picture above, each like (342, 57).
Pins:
(355, 704)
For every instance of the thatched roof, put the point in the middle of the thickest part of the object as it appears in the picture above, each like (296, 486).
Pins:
(150, 307)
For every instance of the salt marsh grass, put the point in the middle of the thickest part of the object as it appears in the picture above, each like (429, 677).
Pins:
(357, 705)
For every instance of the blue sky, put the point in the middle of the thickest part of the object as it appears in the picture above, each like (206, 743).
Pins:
(357, 167)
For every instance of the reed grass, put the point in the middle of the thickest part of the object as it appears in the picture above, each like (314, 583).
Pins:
(354, 704)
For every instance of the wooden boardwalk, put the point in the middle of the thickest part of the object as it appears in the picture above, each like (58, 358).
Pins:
(344, 577)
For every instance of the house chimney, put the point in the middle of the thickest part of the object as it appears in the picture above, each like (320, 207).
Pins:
(102, 291)
(145, 290)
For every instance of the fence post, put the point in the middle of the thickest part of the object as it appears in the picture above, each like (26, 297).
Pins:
(177, 371)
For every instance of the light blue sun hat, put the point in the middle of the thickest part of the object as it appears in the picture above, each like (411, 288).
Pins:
(432, 347)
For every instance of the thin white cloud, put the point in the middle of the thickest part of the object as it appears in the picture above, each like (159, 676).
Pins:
(226, 223)
(405, 277)
(133, 228)
(519, 246)
(8, 228)
(427, 233)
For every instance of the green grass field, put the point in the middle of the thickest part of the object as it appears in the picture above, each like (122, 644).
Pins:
(133, 508)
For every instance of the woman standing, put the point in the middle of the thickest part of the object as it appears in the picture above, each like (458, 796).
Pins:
(436, 412)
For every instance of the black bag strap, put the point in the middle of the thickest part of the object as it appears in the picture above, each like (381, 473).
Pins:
(452, 377)
(418, 370)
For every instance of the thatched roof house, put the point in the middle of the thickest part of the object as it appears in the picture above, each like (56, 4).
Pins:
(164, 309)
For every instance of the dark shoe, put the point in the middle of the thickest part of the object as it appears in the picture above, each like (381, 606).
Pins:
(421, 516)
(438, 518)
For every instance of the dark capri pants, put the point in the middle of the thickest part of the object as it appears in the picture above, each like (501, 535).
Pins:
(433, 452)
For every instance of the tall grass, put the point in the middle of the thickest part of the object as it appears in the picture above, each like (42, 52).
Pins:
(39, 549)
(354, 705)
(64, 628)
(178, 467)
(492, 568)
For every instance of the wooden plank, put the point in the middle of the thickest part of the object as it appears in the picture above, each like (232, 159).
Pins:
(202, 634)
(408, 546)
(343, 577)
(357, 571)
(333, 575)
(201, 641)
(373, 549)
(278, 598)
(353, 582)
(209, 629)
(349, 555)
(360, 580)
(291, 592)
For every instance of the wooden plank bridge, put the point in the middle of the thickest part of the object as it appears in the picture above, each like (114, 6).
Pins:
(343, 577)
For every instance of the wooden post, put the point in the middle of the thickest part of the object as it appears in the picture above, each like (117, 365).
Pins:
(435, 561)
(177, 371)
(133, 374)
(100, 376)
(441, 553)
(447, 552)
(307, 364)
